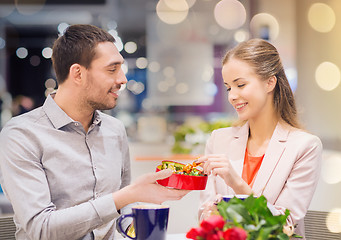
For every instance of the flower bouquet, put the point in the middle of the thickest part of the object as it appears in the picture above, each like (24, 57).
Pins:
(239, 219)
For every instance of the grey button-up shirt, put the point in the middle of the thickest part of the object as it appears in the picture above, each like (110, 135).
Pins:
(59, 178)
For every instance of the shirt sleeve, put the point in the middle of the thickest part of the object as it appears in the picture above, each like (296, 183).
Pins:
(126, 179)
(26, 186)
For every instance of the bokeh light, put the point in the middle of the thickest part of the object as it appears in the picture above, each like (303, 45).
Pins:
(125, 68)
(118, 43)
(22, 52)
(182, 88)
(211, 89)
(130, 47)
(168, 71)
(47, 52)
(154, 66)
(6, 11)
(141, 62)
(331, 169)
(177, 5)
(333, 220)
(62, 27)
(327, 76)
(112, 24)
(230, 14)
(135, 87)
(207, 73)
(50, 83)
(264, 25)
(170, 15)
(163, 86)
(241, 36)
(321, 17)
(190, 3)
(35, 60)
(29, 7)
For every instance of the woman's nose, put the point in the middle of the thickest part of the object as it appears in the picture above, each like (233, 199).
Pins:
(232, 95)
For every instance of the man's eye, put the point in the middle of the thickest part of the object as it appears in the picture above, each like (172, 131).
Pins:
(112, 70)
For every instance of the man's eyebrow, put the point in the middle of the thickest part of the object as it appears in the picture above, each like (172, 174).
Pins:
(113, 64)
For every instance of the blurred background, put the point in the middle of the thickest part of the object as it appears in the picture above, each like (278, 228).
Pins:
(175, 95)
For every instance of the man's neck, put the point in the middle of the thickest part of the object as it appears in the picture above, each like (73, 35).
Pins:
(73, 107)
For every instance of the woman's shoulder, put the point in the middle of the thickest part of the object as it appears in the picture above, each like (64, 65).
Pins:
(302, 136)
(224, 131)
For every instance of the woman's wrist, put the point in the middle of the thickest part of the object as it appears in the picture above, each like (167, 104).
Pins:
(241, 187)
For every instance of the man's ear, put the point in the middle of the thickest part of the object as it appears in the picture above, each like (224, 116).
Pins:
(76, 73)
(271, 83)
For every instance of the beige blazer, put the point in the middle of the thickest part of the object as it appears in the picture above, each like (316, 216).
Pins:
(287, 177)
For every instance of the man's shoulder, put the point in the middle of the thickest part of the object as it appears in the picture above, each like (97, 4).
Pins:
(25, 119)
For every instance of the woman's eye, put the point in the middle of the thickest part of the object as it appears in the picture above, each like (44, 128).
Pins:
(228, 89)
(241, 85)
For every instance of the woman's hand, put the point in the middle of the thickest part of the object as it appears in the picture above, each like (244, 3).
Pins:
(219, 165)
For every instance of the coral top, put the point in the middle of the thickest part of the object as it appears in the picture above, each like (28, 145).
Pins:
(251, 167)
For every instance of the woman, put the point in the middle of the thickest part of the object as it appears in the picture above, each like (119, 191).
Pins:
(267, 153)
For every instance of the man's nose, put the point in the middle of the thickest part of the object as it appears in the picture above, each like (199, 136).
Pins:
(122, 79)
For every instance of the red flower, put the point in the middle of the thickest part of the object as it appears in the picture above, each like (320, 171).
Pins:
(212, 229)
(196, 233)
(213, 222)
(235, 234)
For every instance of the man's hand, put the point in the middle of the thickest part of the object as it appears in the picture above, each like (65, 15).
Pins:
(146, 189)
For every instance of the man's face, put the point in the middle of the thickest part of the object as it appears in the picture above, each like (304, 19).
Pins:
(104, 78)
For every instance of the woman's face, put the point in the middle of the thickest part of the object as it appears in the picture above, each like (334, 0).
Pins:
(247, 92)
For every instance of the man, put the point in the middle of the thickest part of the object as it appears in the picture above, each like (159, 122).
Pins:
(65, 165)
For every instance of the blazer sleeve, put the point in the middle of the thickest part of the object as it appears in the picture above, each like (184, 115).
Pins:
(301, 183)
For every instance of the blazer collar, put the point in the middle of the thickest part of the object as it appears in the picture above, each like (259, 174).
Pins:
(272, 155)
(238, 147)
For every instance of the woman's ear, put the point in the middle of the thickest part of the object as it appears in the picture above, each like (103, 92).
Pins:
(271, 83)
(76, 73)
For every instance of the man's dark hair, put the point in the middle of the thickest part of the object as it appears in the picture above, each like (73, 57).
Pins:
(77, 45)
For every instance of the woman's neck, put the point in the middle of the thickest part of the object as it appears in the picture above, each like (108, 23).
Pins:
(260, 133)
(263, 128)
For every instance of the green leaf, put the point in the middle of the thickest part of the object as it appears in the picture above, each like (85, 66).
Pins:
(254, 216)
(283, 236)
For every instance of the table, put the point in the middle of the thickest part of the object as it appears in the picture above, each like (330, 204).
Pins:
(174, 236)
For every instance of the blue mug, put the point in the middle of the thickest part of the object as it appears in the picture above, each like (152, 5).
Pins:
(150, 222)
(227, 198)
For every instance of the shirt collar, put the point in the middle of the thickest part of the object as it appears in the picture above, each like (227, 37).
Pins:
(58, 117)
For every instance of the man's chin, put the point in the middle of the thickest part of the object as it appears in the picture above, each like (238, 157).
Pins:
(103, 107)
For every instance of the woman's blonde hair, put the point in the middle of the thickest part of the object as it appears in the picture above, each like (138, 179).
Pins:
(264, 59)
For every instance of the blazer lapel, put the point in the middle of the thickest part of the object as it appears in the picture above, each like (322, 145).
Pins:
(236, 151)
(272, 156)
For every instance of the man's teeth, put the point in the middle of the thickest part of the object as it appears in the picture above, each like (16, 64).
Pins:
(240, 106)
